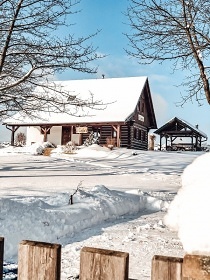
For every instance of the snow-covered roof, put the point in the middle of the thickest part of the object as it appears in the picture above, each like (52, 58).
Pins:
(121, 95)
(194, 128)
(187, 124)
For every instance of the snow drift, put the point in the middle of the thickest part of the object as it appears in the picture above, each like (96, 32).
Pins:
(54, 220)
(189, 212)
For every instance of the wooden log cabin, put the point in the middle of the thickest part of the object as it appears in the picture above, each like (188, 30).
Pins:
(127, 117)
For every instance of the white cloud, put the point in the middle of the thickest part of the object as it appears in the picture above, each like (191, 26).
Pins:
(159, 78)
(160, 107)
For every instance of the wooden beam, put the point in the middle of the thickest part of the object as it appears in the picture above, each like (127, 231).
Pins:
(160, 143)
(117, 129)
(166, 268)
(98, 264)
(70, 123)
(196, 267)
(39, 260)
(72, 131)
(13, 129)
(166, 139)
(1, 256)
(118, 136)
(45, 130)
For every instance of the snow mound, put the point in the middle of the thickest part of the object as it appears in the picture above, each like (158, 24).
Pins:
(54, 220)
(34, 149)
(189, 212)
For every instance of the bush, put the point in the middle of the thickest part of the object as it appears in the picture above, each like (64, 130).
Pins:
(110, 142)
(92, 139)
(20, 140)
(69, 148)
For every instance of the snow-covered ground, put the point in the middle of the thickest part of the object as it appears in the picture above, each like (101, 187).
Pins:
(121, 203)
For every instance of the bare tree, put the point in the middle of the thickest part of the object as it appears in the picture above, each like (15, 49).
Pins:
(176, 31)
(77, 190)
(20, 139)
(33, 50)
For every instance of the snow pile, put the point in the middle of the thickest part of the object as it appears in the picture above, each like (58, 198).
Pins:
(93, 150)
(189, 213)
(4, 144)
(34, 149)
(54, 220)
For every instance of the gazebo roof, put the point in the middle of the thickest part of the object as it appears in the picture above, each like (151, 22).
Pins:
(179, 127)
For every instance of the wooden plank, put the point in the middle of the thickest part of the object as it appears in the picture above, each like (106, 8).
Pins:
(166, 268)
(97, 264)
(1, 256)
(39, 260)
(196, 267)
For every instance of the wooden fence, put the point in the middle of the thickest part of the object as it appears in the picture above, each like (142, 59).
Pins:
(42, 261)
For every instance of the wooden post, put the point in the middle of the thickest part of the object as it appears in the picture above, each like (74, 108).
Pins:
(13, 129)
(97, 264)
(72, 131)
(166, 268)
(117, 130)
(160, 142)
(196, 267)
(45, 130)
(1, 256)
(152, 142)
(166, 138)
(39, 260)
(118, 136)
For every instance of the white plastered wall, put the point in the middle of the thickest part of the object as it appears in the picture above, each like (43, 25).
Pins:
(34, 135)
(55, 135)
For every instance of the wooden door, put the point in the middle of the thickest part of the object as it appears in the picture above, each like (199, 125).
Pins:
(66, 135)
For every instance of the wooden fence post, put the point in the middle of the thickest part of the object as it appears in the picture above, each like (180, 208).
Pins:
(39, 260)
(196, 267)
(1, 256)
(166, 268)
(96, 264)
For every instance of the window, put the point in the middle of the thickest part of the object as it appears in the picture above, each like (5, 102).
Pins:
(135, 133)
(96, 131)
(139, 136)
(144, 135)
(114, 133)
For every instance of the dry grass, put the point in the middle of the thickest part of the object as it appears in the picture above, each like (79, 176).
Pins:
(110, 141)
(47, 151)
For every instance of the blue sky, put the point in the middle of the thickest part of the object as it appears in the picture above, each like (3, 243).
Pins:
(108, 17)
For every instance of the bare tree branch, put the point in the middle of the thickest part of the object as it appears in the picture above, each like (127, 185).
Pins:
(32, 52)
(77, 189)
(174, 30)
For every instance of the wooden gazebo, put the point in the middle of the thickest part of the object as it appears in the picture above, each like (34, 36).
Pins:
(180, 135)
